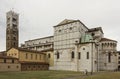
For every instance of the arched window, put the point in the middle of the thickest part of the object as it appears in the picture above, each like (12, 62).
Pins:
(14, 38)
(79, 55)
(49, 55)
(72, 54)
(14, 44)
(58, 56)
(36, 57)
(8, 38)
(111, 44)
(109, 57)
(12, 60)
(31, 56)
(87, 55)
(26, 56)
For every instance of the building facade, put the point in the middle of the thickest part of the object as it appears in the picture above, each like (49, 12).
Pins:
(29, 59)
(44, 45)
(39, 44)
(8, 63)
(12, 30)
(78, 48)
(118, 57)
(108, 54)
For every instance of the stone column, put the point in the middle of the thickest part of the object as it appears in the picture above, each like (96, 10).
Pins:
(76, 58)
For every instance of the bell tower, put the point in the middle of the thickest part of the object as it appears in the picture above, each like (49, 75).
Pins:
(12, 30)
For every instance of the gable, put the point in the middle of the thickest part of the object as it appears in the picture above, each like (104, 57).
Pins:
(13, 52)
(66, 21)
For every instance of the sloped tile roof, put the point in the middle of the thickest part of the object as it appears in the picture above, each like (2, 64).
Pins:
(34, 51)
(106, 39)
(95, 29)
(7, 57)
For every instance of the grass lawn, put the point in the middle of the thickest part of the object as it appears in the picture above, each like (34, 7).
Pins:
(38, 75)
(57, 75)
(103, 75)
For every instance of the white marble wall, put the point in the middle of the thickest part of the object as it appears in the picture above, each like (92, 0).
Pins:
(65, 38)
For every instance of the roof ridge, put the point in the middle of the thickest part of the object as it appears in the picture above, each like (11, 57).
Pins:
(107, 39)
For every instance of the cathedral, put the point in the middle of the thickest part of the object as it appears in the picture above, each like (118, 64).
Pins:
(77, 48)
(72, 47)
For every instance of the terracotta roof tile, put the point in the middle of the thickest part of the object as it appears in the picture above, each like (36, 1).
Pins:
(25, 62)
(34, 51)
(7, 57)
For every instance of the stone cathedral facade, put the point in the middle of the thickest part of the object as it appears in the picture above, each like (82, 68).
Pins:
(75, 47)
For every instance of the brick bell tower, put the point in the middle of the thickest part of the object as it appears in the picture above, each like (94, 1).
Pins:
(12, 30)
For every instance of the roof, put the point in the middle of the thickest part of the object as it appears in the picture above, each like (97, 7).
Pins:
(68, 21)
(106, 39)
(86, 38)
(40, 38)
(33, 51)
(95, 29)
(7, 57)
(118, 51)
(26, 62)
(2, 51)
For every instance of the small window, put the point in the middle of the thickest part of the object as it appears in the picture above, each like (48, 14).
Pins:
(26, 56)
(70, 28)
(87, 55)
(33, 66)
(109, 57)
(58, 56)
(14, 44)
(31, 56)
(8, 67)
(17, 66)
(4, 60)
(12, 60)
(93, 34)
(36, 57)
(79, 55)
(49, 55)
(15, 54)
(8, 38)
(14, 38)
(83, 48)
(40, 57)
(59, 30)
(72, 54)
(118, 62)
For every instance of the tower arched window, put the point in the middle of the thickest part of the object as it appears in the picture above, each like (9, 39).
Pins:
(14, 44)
(14, 38)
(8, 38)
